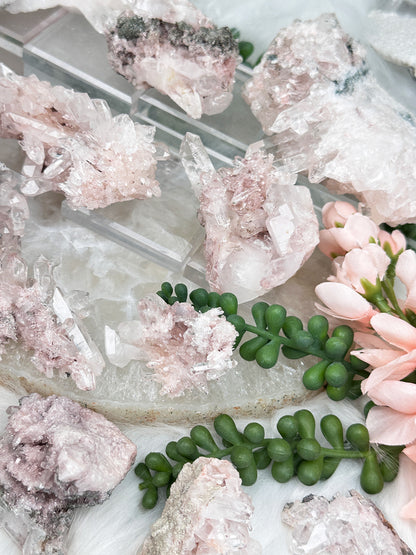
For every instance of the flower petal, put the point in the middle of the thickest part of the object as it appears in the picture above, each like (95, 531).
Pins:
(395, 331)
(409, 510)
(410, 452)
(395, 370)
(377, 357)
(400, 396)
(371, 341)
(391, 427)
(344, 301)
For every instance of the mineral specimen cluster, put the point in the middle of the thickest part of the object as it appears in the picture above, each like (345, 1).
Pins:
(206, 512)
(33, 310)
(260, 228)
(185, 348)
(55, 456)
(73, 144)
(332, 120)
(169, 45)
(345, 524)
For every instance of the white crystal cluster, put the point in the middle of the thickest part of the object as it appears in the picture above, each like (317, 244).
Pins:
(260, 228)
(55, 456)
(74, 145)
(184, 348)
(344, 525)
(207, 512)
(332, 120)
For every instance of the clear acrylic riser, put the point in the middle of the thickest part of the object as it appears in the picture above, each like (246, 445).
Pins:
(17, 29)
(70, 52)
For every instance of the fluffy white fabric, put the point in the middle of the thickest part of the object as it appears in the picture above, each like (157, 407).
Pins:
(119, 526)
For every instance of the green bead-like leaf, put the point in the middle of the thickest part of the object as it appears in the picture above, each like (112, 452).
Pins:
(314, 377)
(199, 297)
(187, 448)
(292, 325)
(308, 449)
(166, 289)
(261, 458)
(214, 299)
(249, 349)
(335, 348)
(203, 438)
(279, 449)
(229, 303)
(150, 498)
(248, 475)
(241, 456)
(173, 453)
(309, 472)
(332, 430)
(345, 333)
(246, 49)
(306, 423)
(267, 356)
(157, 461)
(318, 327)
(358, 436)
(258, 310)
(336, 374)
(254, 432)
(225, 427)
(288, 427)
(275, 317)
(292, 353)
(371, 478)
(142, 472)
(302, 340)
(181, 292)
(282, 472)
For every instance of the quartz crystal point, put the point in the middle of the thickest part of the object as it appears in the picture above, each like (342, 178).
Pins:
(183, 347)
(168, 44)
(14, 210)
(344, 525)
(313, 89)
(394, 37)
(56, 456)
(206, 512)
(74, 145)
(260, 228)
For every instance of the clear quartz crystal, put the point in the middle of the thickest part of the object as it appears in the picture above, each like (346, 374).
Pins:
(55, 456)
(73, 144)
(260, 228)
(332, 119)
(347, 524)
(206, 512)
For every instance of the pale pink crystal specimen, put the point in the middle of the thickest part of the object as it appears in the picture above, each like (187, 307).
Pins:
(74, 145)
(260, 228)
(35, 313)
(55, 456)
(344, 525)
(206, 512)
(179, 52)
(183, 347)
(334, 121)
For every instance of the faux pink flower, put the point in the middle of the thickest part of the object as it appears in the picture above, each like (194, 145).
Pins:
(406, 272)
(396, 240)
(369, 262)
(335, 214)
(396, 358)
(357, 232)
(343, 302)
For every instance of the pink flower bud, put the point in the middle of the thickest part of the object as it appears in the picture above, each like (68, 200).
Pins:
(335, 214)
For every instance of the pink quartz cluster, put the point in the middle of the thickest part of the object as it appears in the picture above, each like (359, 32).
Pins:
(74, 145)
(55, 456)
(206, 512)
(177, 50)
(183, 347)
(44, 324)
(260, 228)
(333, 121)
(345, 524)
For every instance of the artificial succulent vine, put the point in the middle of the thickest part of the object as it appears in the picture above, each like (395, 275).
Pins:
(274, 330)
(296, 453)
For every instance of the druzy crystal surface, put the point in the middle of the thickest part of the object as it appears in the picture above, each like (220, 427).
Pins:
(260, 228)
(183, 347)
(183, 56)
(55, 456)
(74, 145)
(344, 525)
(206, 512)
(333, 121)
